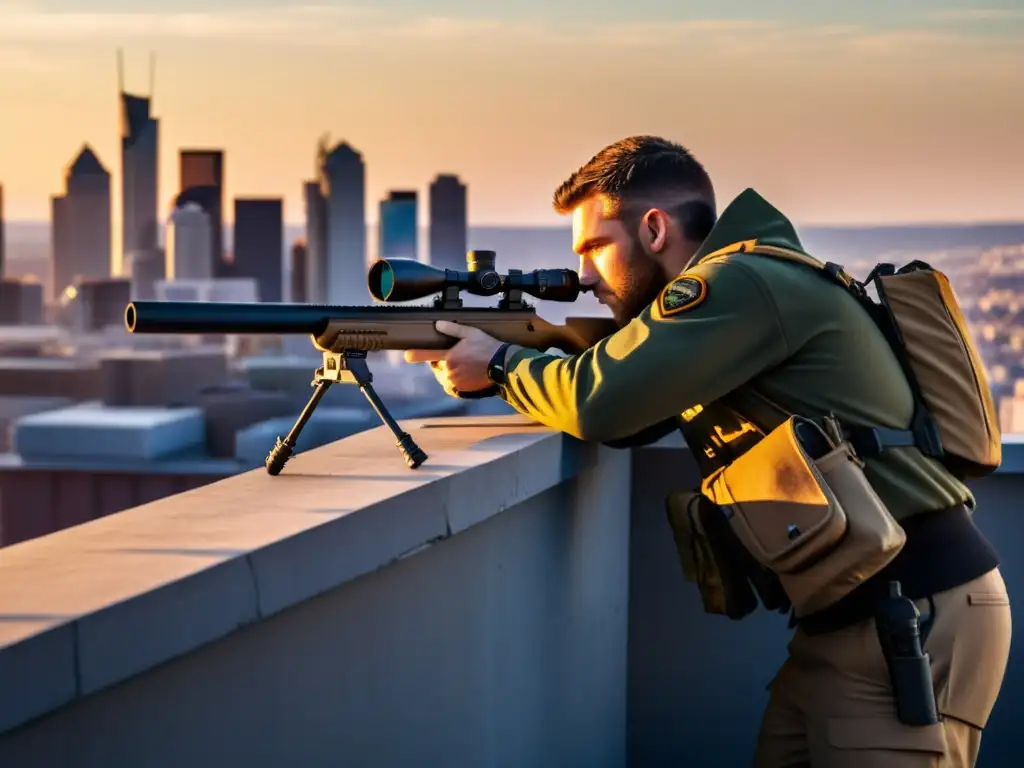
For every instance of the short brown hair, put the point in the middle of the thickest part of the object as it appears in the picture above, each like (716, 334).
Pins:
(645, 169)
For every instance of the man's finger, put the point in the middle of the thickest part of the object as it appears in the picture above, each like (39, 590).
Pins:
(448, 328)
(424, 355)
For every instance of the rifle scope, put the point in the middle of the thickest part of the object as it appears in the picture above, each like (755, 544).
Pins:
(408, 279)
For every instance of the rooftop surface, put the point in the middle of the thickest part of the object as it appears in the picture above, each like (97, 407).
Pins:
(95, 414)
(44, 364)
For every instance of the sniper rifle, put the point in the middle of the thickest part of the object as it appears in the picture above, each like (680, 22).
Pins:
(345, 334)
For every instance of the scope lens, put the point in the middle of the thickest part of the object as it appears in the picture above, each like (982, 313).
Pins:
(381, 280)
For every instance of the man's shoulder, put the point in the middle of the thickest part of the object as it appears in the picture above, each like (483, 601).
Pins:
(780, 277)
(718, 284)
(761, 264)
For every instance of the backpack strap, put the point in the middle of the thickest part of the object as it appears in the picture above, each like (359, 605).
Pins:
(866, 441)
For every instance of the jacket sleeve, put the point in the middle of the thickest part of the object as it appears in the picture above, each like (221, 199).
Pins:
(712, 329)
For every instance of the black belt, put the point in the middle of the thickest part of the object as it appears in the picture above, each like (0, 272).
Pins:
(943, 550)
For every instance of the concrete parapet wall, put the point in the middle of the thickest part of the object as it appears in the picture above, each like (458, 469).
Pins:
(350, 611)
(515, 602)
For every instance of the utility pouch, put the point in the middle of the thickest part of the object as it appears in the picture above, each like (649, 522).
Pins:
(708, 560)
(801, 505)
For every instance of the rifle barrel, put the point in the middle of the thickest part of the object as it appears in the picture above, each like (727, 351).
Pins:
(223, 317)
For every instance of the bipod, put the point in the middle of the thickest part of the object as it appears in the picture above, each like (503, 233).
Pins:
(347, 367)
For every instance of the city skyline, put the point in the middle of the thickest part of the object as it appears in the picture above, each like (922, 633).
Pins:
(929, 98)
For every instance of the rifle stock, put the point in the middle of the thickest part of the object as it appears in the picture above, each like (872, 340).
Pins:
(419, 332)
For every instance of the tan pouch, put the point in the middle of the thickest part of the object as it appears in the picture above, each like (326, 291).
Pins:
(723, 586)
(949, 371)
(685, 533)
(801, 505)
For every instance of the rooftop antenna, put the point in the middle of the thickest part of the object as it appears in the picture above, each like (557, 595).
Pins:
(120, 70)
(152, 73)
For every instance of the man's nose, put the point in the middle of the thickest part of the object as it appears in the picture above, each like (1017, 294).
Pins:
(588, 275)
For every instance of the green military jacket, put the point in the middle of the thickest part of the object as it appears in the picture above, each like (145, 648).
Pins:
(735, 323)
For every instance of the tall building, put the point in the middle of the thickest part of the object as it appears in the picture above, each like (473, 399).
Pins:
(149, 267)
(61, 246)
(82, 223)
(316, 243)
(344, 174)
(3, 243)
(21, 303)
(259, 244)
(100, 303)
(201, 181)
(399, 226)
(448, 222)
(140, 133)
(298, 271)
(241, 290)
(188, 244)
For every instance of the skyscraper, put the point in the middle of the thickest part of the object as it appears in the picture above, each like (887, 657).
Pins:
(188, 244)
(139, 181)
(298, 271)
(259, 244)
(201, 181)
(316, 243)
(448, 222)
(3, 243)
(82, 224)
(62, 244)
(345, 177)
(399, 226)
(149, 267)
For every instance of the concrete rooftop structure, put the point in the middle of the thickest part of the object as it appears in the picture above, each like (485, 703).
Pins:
(95, 431)
(516, 601)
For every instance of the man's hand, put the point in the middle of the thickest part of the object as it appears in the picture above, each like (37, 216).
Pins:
(463, 368)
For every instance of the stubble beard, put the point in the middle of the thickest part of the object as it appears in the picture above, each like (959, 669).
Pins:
(644, 282)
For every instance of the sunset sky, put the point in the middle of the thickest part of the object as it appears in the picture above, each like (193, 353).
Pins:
(884, 111)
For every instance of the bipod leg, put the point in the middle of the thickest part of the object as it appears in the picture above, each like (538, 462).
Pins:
(282, 450)
(412, 453)
(352, 368)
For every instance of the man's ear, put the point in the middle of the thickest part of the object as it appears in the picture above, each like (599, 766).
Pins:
(654, 231)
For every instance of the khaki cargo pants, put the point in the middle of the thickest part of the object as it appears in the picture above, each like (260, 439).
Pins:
(831, 702)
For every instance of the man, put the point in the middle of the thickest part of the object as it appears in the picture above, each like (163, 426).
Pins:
(702, 320)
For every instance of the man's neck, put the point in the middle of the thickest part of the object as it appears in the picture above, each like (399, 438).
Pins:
(675, 262)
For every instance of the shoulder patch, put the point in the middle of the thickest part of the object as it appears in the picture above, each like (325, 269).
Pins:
(682, 294)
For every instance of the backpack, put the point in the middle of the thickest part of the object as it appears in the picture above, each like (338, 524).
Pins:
(955, 418)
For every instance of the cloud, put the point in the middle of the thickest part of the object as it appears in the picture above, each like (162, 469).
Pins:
(340, 25)
(321, 24)
(979, 14)
(22, 60)
(25, 23)
(906, 41)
